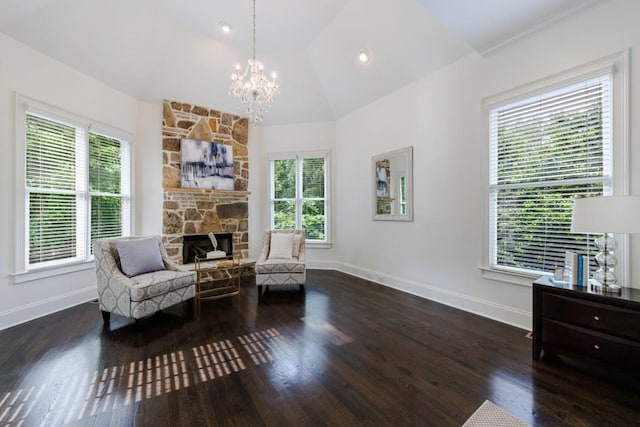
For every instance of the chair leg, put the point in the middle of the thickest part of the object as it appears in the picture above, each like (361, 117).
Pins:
(259, 290)
(106, 316)
(301, 287)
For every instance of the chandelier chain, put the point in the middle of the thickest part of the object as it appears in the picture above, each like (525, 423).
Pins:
(252, 87)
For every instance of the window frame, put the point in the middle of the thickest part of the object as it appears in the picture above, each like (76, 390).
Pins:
(618, 65)
(23, 270)
(299, 156)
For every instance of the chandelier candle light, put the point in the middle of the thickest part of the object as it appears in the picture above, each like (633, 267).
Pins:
(252, 87)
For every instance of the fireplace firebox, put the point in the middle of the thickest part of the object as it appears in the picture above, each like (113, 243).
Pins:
(199, 244)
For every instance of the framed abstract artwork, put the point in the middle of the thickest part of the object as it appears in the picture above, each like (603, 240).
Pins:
(207, 165)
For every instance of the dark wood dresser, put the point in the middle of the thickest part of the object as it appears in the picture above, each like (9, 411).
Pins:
(586, 323)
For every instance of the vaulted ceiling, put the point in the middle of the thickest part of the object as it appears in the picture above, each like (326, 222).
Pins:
(155, 49)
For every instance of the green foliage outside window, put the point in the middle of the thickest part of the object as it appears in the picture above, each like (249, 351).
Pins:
(533, 223)
(105, 176)
(57, 189)
(285, 179)
(312, 202)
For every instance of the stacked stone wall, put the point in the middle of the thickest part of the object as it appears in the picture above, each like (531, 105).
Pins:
(189, 211)
(181, 120)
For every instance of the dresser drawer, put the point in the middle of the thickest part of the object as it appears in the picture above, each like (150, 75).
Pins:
(599, 317)
(564, 338)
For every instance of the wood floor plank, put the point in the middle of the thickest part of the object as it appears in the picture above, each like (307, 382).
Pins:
(344, 352)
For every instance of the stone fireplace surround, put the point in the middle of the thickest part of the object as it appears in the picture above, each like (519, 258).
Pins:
(188, 211)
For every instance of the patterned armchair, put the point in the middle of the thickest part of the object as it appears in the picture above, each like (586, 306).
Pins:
(143, 294)
(280, 264)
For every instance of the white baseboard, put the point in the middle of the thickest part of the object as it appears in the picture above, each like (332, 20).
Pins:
(482, 307)
(27, 312)
(322, 265)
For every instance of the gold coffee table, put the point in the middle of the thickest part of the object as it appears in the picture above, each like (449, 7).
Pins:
(219, 278)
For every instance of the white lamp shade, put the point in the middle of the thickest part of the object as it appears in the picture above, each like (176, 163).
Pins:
(606, 214)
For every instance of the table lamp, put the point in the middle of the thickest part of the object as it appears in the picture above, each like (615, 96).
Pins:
(606, 214)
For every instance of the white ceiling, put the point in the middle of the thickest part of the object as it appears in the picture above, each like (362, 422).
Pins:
(155, 49)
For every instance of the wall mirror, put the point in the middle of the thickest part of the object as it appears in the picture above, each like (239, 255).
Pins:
(393, 185)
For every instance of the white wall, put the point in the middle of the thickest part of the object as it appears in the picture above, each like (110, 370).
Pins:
(438, 254)
(284, 139)
(29, 73)
(147, 170)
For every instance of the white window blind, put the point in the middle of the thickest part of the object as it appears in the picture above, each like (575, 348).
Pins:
(547, 150)
(77, 189)
(299, 196)
(108, 186)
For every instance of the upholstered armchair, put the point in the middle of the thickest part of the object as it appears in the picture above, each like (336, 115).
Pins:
(282, 260)
(136, 277)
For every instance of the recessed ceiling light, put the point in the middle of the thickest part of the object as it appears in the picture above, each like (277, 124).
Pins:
(224, 27)
(364, 56)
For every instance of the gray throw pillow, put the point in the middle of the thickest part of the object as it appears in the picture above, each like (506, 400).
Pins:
(139, 256)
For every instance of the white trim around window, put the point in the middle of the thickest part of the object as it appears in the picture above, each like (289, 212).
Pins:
(298, 156)
(617, 65)
(24, 106)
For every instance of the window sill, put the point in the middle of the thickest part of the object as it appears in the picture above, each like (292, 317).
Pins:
(46, 272)
(511, 277)
(323, 245)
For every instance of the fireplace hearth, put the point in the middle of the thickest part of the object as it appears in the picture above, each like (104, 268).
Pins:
(199, 244)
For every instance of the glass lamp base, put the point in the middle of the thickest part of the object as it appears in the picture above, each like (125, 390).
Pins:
(605, 277)
(611, 288)
(605, 281)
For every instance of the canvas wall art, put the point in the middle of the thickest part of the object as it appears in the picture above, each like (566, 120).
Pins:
(382, 178)
(207, 165)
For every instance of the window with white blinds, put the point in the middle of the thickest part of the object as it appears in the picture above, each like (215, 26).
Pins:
(299, 194)
(76, 189)
(547, 150)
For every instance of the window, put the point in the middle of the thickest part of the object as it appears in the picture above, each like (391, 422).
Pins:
(547, 150)
(299, 194)
(76, 187)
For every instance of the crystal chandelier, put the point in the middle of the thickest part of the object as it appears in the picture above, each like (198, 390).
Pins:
(252, 87)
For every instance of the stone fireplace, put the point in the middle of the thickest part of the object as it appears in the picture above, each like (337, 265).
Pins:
(189, 211)
(199, 244)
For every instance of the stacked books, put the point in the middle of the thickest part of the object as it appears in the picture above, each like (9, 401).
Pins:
(576, 268)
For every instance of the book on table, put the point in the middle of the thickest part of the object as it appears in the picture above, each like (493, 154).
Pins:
(576, 268)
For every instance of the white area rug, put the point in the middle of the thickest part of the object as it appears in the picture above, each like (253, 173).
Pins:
(490, 415)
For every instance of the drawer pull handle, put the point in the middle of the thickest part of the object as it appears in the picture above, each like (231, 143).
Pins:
(596, 318)
(597, 347)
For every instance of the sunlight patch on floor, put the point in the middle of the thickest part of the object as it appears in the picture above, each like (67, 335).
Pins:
(259, 345)
(336, 336)
(217, 359)
(86, 395)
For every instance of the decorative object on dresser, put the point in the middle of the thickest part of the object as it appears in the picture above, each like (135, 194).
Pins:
(606, 214)
(282, 261)
(586, 323)
(136, 277)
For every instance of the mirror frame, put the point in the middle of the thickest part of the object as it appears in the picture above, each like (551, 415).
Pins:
(407, 153)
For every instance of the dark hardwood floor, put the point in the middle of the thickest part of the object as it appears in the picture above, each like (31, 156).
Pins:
(346, 352)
